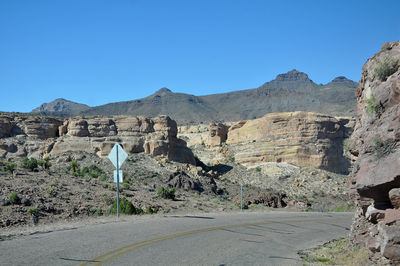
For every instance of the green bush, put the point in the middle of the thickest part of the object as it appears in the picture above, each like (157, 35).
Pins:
(33, 211)
(74, 167)
(150, 210)
(385, 69)
(45, 163)
(372, 107)
(93, 171)
(31, 164)
(10, 168)
(258, 169)
(125, 207)
(166, 193)
(14, 198)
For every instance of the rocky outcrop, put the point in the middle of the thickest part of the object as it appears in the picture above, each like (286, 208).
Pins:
(299, 138)
(218, 134)
(375, 179)
(40, 136)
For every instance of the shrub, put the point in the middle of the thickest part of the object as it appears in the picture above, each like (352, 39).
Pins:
(258, 169)
(166, 193)
(383, 149)
(10, 168)
(150, 210)
(31, 164)
(99, 212)
(74, 167)
(14, 198)
(33, 211)
(372, 107)
(385, 69)
(125, 207)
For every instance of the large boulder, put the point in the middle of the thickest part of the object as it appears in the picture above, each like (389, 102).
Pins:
(375, 178)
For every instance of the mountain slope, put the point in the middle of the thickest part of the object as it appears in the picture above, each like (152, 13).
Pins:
(292, 91)
(60, 107)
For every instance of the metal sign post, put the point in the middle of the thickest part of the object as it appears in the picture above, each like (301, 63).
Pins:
(117, 156)
(117, 185)
(241, 197)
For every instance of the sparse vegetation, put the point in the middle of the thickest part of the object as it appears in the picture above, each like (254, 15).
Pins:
(150, 210)
(126, 207)
(383, 149)
(33, 211)
(166, 193)
(14, 198)
(385, 69)
(337, 252)
(372, 107)
(258, 169)
(10, 168)
(45, 163)
(30, 164)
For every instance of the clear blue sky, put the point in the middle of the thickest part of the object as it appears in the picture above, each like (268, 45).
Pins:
(96, 52)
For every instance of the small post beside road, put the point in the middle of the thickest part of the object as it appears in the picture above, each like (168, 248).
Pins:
(241, 197)
(117, 156)
(117, 185)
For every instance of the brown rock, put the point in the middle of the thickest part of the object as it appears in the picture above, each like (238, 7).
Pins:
(376, 173)
(218, 134)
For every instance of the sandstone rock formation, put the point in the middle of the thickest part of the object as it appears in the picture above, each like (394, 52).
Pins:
(41, 136)
(299, 138)
(218, 134)
(376, 174)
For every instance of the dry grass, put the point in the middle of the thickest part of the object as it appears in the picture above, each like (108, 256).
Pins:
(336, 252)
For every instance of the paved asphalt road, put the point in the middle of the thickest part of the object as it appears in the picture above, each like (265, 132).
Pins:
(262, 238)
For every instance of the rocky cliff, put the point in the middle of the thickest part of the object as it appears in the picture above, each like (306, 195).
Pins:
(41, 136)
(297, 138)
(375, 180)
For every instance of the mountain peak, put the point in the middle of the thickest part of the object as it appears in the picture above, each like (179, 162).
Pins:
(292, 80)
(60, 105)
(293, 75)
(163, 90)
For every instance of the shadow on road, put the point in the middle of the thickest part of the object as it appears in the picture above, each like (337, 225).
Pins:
(189, 216)
(79, 260)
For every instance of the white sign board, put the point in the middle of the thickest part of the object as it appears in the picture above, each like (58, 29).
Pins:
(117, 151)
(120, 176)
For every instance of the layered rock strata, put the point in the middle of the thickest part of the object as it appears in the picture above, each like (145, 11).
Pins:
(298, 138)
(42, 136)
(375, 180)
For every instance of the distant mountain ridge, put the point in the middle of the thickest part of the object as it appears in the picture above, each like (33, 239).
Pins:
(60, 107)
(292, 91)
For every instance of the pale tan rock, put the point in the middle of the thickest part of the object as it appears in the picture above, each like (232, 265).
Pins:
(78, 128)
(299, 138)
(101, 127)
(218, 134)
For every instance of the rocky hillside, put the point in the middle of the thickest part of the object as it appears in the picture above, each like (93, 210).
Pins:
(302, 139)
(37, 136)
(292, 91)
(60, 107)
(375, 180)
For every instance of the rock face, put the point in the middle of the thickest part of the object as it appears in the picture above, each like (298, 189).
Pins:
(41, 136)
(218, 134)
(299, 138)
(375, 179)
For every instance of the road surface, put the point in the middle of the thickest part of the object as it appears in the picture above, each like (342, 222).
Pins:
(248, 238)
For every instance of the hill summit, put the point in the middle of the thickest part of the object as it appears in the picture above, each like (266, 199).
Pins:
(291, 91)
